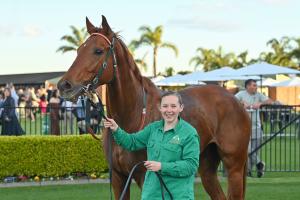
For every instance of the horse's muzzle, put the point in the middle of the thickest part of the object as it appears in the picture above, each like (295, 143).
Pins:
(68, 91)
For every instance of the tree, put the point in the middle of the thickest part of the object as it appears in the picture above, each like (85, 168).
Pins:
(210, 59)
(169, 71)
(280, 54)
(141, 62)
(184, 72)
(74, 41)
(153, 38)
(295, 53)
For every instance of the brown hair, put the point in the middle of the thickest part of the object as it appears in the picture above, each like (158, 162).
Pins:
(171, 93)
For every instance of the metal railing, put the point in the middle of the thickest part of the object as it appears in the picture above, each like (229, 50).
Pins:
(49, 121)
(275, 138)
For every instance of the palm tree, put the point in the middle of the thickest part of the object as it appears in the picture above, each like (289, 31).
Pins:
(296, 51)
(141, 62)
(75, 40)
(210, 59)
(241, 60)
(169, 71)
(204, 58)
(153, 38)
(281, 53)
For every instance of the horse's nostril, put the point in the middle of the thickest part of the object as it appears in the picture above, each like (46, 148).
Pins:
(64, 85)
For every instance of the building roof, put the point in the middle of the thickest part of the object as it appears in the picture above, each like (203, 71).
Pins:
(29, 79)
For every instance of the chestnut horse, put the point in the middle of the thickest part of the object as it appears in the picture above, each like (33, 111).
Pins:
(222, 123)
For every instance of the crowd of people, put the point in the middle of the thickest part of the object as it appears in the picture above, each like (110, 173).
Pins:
(57, 115)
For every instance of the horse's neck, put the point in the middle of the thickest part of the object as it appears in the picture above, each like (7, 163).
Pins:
(125, 94)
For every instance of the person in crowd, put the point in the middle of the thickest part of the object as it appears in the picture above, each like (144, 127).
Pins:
(43, 108)
(173, 149)
(80, 114)
(10, 122)
(15, 96)
(1, 103)
(252, 101)
(49, 92)
(54, 105)
(68, 117)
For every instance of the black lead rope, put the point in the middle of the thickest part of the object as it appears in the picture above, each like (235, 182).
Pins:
(99, 107)
(161, 181)
(110, 161)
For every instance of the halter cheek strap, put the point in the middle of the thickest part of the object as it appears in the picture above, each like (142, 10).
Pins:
(109, 53)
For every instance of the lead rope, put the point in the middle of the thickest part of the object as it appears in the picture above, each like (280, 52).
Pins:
(99, 108)
(110, 161)
(161, 181)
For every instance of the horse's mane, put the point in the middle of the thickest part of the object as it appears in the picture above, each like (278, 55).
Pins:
(146, 83)
(130, 61)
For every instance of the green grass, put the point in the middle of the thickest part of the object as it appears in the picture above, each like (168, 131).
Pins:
(266, 188)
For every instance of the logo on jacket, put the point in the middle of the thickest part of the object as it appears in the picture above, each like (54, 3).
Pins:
(175, 140)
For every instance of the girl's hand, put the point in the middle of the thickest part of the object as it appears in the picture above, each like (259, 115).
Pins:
(153, 166)
(110, 123)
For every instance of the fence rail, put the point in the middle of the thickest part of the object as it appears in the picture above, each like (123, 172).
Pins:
(51, 121)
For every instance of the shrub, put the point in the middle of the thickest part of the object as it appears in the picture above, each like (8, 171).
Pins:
(50, 155)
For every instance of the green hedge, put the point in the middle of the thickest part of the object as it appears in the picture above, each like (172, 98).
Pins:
(50, 155)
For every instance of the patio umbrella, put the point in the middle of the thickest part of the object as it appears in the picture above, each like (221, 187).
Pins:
(222, 74)
(288, 83)
(176, 80)
(263, 69)
(267, 82)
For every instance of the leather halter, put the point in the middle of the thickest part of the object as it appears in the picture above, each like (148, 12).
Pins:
(90, 87)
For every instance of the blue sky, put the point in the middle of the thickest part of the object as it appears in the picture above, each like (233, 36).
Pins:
(30, 31)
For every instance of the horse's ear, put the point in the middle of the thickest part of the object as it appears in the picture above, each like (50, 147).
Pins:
(89, 26)
(106, 28)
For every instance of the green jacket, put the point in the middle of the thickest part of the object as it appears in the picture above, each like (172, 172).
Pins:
(178, 151)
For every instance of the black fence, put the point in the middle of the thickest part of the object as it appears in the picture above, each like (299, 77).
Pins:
(51, 121)
(275, 138)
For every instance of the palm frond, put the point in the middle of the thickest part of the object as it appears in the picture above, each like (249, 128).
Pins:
(64, 49)
(170, 46)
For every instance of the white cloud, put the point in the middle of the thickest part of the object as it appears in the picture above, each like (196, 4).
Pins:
(31, 31)
(276, 2)
(215, 25)
(27, 31)
(7, 30)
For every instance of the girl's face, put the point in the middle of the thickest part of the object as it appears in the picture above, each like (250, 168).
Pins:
(6, 93)
(170, 108)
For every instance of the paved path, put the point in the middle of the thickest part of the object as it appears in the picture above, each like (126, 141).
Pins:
(60, 182)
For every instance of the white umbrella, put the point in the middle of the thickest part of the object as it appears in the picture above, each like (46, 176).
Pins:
(288, 83)
(263, 69)
(267, 82)
(157, 78)
(222, 74)
(177, 80)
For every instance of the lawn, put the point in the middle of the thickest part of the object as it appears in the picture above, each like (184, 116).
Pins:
(266, 188)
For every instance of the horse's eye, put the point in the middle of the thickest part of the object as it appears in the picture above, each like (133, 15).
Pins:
(98, 51)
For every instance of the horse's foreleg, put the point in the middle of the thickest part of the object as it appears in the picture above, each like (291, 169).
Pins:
(118, 184)
(209, 162)
(236, 177)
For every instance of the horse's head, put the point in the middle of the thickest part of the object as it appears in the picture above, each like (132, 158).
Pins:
(95, 62)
